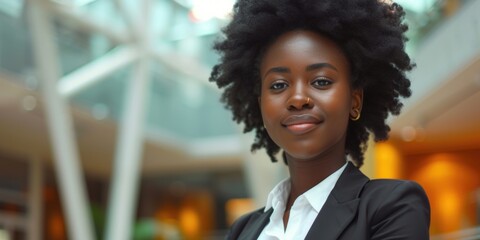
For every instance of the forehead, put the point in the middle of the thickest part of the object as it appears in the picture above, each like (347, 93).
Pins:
(302, 47)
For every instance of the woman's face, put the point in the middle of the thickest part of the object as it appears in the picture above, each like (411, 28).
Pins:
(306, 96)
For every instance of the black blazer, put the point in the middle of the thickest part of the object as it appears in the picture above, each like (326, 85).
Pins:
(358, 208)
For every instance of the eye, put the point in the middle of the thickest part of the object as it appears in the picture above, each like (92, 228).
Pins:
(278, 85)
(321, 82)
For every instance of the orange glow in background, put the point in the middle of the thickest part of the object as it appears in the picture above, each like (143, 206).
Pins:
(449, 179)
(235, 208)
(388, 161)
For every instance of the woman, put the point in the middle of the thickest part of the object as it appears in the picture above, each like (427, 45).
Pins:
(313, 78)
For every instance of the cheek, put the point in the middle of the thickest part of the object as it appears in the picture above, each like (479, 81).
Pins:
(270, 109)
(341, 111)
(338, 102)
(267, 110)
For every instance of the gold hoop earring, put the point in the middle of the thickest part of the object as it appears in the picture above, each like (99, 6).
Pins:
(308, 100)
(357, 113)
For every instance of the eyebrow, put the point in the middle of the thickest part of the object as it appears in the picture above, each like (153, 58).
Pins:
(320, 65)
(311, 67)
(277, 70)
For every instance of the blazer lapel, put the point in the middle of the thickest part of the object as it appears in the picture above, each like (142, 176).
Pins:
(340, 207)
(255, 225)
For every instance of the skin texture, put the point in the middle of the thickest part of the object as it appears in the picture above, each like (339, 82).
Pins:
(306, 101)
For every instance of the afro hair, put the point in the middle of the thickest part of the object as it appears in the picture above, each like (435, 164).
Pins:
(370, 32)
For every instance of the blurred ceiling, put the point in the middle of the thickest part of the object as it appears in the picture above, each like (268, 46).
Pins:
(23, 131)
(447, 118)
(187, 127)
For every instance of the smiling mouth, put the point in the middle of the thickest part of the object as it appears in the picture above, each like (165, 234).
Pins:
(301, 124)
(301, 128)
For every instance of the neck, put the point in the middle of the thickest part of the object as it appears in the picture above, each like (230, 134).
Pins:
(305, 174)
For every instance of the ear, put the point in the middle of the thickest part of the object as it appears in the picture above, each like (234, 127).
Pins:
(357, 101)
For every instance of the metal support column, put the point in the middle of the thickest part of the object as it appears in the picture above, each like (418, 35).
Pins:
(68, 169)
(128, 156)
(35, 200)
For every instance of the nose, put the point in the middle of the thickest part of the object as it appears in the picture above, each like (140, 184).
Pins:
(299, 99)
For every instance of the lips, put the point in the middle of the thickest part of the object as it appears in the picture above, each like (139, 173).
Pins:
(300, 124)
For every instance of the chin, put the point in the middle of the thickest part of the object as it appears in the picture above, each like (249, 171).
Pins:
(302, 155)
(317, 151)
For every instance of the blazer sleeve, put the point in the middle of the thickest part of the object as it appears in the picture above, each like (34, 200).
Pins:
(239, 225)
(402, 212)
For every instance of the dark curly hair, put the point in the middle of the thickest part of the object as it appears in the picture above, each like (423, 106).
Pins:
(370, 32)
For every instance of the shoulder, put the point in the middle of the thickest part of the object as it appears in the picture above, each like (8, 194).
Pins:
(397, 206)
(245, 218)
(239, 224)
(388, 193)
(393, 186)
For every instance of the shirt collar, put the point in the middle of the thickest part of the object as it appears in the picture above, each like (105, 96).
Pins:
(323, 189)
(279, 193)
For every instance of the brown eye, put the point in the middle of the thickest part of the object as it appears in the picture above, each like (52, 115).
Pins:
(278, 86)
(321, 82)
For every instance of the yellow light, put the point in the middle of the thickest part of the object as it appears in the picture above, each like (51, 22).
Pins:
(448, 182)
(450, 210)
(237, 207)
(387, 161)
(190, 221)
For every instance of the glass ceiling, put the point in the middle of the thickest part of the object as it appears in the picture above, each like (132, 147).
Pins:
(182, 103)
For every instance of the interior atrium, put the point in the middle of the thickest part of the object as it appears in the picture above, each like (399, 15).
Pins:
(110, 129)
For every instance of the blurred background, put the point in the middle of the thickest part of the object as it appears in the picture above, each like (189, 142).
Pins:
(109, 128)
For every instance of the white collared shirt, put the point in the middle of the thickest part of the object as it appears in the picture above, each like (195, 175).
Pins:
(303, 211)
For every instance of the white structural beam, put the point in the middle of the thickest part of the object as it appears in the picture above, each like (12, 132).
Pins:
(68, 170)
(83, 21)
(128, 155)
(129, 148)
(97, 70)
(35, 203)
(177, 62)
(127, 17)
